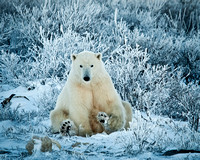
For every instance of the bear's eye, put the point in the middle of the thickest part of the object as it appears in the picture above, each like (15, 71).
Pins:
(81, 66)
(92, 66)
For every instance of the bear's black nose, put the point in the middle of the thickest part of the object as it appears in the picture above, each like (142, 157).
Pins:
(86, 78)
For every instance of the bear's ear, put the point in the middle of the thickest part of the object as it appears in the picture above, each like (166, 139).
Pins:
(99, 55)
(73, 57)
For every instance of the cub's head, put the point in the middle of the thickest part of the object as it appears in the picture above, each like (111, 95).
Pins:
(86, 65)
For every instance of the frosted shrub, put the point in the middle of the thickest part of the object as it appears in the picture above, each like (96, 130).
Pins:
(156, 89)
(157, 134)
(175, 51)
(103, 27)
(187, 97)
(10, 114)
(47, 101)
(135, 79)
(45, 38)
(11, 68)
(53, 59)
(183, 14)
(122, 64)
(139, 137)
(15, 114)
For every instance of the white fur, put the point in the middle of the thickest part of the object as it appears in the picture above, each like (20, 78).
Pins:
(79, 98)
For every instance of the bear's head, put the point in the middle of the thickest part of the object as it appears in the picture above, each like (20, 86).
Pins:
(86, 66)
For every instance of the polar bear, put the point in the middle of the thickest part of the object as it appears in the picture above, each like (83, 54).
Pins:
(89, 103)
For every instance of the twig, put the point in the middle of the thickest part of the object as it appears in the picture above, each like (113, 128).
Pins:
(7, 100)
(21, 97)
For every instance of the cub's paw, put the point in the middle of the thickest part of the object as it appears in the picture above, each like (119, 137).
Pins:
(66, 127)
(103, 118)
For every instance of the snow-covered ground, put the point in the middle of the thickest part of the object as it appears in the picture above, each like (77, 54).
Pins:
(148, 138)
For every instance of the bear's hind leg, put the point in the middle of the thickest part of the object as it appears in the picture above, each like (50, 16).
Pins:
(111, 122)
(129, 113)
(57, 116)
(94, 122)
(68, 128)
(103, 118)
(61, 123)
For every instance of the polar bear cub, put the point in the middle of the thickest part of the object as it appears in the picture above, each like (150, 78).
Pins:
(89, 103)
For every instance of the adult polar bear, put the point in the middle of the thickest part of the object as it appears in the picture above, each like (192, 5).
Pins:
(89, 103)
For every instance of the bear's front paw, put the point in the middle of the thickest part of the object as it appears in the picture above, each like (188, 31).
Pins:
(66, 127)
(103, 118)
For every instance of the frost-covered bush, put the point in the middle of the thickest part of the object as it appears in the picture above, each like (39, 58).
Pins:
(125, 65)
(47, 101)
(103, 23)
(175, 51)
(14, 114)
(187, 99)
(136, 80)
(10, 114)
(157, 89)
(53, 16)
(12, 68)
(183, 15)
(157, 134)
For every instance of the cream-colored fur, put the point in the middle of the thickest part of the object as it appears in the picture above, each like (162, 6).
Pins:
(80, 101)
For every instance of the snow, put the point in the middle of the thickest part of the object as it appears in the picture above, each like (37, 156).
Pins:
(119, 145)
